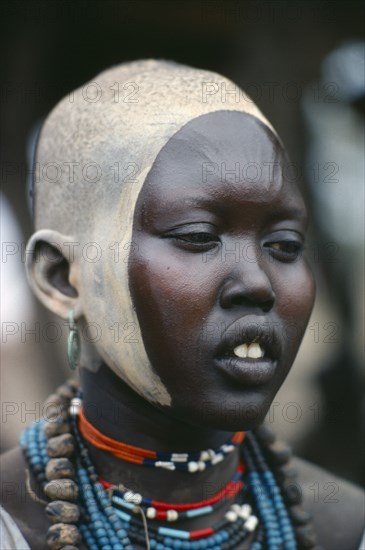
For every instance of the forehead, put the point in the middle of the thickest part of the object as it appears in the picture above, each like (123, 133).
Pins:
(227, 157)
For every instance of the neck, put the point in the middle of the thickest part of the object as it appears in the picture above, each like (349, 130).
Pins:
(118, 412)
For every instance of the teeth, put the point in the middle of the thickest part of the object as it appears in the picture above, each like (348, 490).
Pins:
(241, 351)
(253, 351)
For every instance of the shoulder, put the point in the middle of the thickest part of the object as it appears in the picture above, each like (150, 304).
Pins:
(17, 501)
(337, 506)
(10, 535)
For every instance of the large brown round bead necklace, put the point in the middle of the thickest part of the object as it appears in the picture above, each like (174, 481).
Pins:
(84, 509)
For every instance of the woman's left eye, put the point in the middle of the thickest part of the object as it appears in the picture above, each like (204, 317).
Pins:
(198, 238)
(286, 251)
(198, 241)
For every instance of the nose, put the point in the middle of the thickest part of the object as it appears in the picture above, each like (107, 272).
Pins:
(248, 285)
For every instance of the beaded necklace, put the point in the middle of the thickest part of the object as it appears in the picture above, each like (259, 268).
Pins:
(171, 511)
(83, 507)
(187, 462)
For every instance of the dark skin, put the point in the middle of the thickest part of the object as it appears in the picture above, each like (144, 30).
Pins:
(191, 295)
(187, 283)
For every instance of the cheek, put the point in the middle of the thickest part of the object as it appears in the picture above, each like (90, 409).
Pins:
(295, 293)
(174, 290)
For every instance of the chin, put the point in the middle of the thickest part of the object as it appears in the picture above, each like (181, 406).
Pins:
(242, 414)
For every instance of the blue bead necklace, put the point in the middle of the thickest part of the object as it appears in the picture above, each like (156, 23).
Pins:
(105, 524)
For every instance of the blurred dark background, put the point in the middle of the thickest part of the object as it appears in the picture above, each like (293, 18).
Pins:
(273, 49)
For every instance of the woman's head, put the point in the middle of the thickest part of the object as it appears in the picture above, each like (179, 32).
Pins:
(196, 258)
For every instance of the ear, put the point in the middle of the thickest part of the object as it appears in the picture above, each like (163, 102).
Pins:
(53, 271)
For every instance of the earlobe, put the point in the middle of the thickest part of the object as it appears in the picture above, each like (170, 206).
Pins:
(50, 268)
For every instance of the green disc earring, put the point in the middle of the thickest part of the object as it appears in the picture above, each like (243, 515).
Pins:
(73, 342)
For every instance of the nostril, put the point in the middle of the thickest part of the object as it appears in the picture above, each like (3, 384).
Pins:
(268, 305)
(265, 305)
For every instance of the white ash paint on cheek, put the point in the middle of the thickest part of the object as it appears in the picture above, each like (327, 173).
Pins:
(127, 357)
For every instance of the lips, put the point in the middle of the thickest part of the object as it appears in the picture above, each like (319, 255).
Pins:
(249, 351)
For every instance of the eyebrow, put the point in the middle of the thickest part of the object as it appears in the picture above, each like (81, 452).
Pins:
(291, 211)
(220, 208)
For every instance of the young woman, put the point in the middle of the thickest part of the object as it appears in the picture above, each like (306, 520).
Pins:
(170, 235)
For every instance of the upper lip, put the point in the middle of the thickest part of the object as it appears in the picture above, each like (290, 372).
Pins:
(249, 330)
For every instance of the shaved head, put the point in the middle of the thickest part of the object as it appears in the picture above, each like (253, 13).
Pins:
(108, 132)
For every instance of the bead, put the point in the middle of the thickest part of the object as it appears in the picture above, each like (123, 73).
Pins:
(193, 467)
(280, 452)
(204, 456)
(65, 392)
(245, 511)
(179, 457)
(178, 533)
(306, 537)
(129, 496)
(54, 399)
(60, 535)
(172, 515)
(286, 472)
(201, 465)
(165, 464)
(299, 516)
(59, 511)
(228, 448)
(236, 508)
(151, 513)
(231, 515)
(57, 426)
(61, 446)
(58, 468)
(292, 493)
(217, 458)
(96, 522)
(265, 434)
(75, 406)
(73, 383)
(63, 489)
(251, 523)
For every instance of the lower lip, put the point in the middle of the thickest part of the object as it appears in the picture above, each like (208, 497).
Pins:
(247, 371)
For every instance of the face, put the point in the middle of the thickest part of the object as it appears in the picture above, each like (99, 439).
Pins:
(217, 275)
